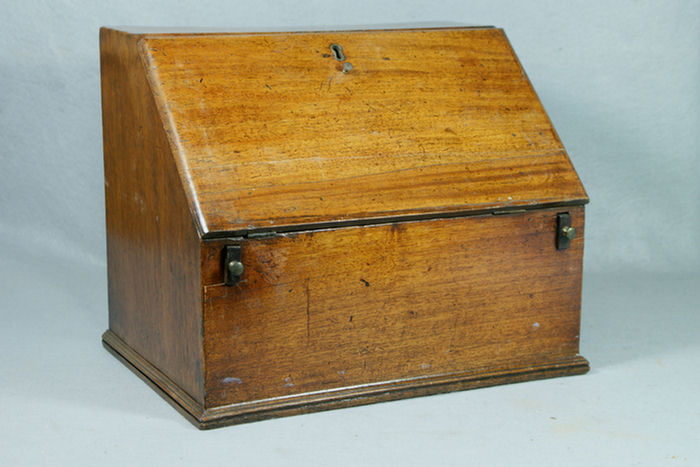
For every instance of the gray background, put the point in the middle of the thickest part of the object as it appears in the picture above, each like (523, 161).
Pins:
(621, 82)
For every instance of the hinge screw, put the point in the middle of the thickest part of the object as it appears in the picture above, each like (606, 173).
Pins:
(235, 268)
(568, 232)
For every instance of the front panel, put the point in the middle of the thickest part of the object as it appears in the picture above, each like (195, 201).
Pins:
(324, 310)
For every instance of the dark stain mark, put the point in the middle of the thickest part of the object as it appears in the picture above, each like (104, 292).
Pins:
(350, 318)
(507, 108)
(201, 79)
(513, 134)
(267, 86)
(429, 268)
(365, 282)
(412, 313)
(531, 295)
(450, 130)
(236, 152)
(386, 58)
(398, 227)
(326, 55)
(308, 311)
(522, 173)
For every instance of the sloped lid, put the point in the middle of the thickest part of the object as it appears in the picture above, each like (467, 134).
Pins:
(271, 132)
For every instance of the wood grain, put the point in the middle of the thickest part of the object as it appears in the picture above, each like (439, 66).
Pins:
(252, 411)
(152, 241)
(269, 132)
(336, 308)
(388, 273)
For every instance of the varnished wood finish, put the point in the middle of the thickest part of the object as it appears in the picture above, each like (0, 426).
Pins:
(393, 272)
(152, 242)
(270, 133)
(346, 307)
(184, 403)
(347, 397)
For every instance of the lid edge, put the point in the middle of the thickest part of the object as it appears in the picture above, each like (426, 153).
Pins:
(312, 226)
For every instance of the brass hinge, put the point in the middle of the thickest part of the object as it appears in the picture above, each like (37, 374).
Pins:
(505, 212)
(261, 234)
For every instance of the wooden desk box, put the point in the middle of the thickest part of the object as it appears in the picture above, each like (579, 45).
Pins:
(303, 221)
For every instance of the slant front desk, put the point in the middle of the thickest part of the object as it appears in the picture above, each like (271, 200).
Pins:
(303, 221)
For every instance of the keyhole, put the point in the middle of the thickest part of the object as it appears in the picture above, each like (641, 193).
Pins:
(337, 52)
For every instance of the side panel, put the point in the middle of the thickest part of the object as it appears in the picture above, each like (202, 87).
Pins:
(152, 242)
(355, 306)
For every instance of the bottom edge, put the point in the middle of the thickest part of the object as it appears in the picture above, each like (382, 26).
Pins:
(330, 399)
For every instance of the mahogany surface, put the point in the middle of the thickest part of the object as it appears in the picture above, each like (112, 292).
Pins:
(410, 207)
(270, 133)
(152, 240)
(347, 307)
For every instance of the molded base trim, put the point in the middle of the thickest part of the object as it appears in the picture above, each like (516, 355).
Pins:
(328, 399)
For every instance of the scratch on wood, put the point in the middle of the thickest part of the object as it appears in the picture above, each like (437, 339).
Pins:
(308, 314)
(326, 83)
(231, 380)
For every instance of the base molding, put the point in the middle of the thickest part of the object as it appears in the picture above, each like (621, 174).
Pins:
(328, 399)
